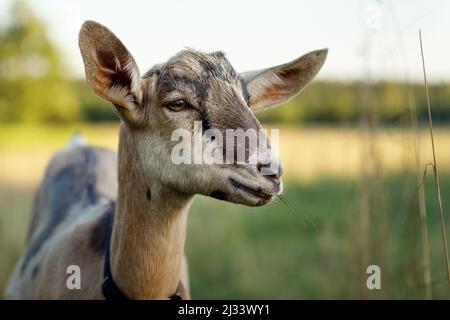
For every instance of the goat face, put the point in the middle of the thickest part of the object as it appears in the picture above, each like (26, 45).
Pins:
(199, 102)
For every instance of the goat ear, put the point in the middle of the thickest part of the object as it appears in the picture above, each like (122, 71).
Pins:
(111, 70)
(272, 86)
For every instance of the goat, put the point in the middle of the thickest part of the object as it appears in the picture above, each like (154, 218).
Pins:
(128, 212)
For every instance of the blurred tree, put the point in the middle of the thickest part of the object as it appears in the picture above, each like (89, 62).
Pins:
(93, 107)
(34, 85)
(392, 100)
(337, 102)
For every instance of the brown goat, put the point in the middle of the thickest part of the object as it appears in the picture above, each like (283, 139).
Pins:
(140, 199)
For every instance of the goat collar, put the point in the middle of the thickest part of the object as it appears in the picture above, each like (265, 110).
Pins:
(110, 289)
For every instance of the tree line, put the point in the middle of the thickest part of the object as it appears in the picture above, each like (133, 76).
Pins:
(35, 87)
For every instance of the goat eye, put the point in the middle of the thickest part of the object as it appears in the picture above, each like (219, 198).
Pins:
(177, 105)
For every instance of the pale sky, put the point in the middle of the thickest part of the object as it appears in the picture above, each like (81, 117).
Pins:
(363, 36)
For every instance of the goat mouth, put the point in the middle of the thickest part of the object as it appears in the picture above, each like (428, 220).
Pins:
(255, 192)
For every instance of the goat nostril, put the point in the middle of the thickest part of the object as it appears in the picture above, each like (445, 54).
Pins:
(275, 178)
(269, 172)
(276, 181)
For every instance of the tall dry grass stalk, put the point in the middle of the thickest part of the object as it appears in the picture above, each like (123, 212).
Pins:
(418, 159)
(434, 165)
(421, 199)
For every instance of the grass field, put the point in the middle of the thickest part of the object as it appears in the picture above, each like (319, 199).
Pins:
(240, 252)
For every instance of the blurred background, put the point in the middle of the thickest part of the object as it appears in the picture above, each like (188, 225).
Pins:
(354, 144)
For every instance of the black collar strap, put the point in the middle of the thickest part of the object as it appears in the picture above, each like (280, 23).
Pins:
(109, 288)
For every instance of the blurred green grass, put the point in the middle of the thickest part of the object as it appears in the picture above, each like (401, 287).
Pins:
(266, 253)
(35, 136)
(236, 252)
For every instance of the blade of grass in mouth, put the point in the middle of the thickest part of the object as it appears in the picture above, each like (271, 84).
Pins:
(296, 211)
